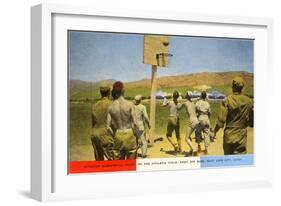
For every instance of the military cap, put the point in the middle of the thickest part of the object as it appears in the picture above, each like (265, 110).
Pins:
(104, 89)
(238, 82)
(138, 97)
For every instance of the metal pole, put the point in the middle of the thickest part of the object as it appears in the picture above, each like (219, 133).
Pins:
(153, 104)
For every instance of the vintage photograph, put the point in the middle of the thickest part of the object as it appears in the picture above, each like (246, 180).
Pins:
(145, 97)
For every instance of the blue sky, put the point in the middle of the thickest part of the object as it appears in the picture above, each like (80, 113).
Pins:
(95, 56)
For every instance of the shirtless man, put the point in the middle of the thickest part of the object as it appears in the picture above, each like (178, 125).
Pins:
(120, 122)
(173, 121)
(193, 122)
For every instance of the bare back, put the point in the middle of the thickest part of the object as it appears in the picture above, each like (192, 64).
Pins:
(120, 114)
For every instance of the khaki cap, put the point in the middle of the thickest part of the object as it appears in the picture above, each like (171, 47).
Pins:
(138, 97)
(238, 82)
(104, 89)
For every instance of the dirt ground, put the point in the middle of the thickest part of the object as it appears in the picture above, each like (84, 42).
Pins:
(162, 148)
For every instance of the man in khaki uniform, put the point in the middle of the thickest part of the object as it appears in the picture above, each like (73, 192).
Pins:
(173, 121)
(102, 140)
(142, 120)
(203, 110)
(236, 115)
(120, 123)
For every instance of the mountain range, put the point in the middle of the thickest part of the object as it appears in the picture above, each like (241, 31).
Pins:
(188, 80)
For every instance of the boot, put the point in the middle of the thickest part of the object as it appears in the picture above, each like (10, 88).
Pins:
(206, 152)
(179, 143)
(190, 153)
(199, 148)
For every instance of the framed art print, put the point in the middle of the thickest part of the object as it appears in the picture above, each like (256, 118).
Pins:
(133, 99)
(185, 121)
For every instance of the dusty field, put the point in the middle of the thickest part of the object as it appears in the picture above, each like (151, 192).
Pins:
(162, 149)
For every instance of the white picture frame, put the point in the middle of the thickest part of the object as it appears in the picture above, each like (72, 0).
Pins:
(49, 178)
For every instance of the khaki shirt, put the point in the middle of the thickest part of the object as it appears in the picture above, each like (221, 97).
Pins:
(99, 112)
(234, 114)
(141, 116)
(203, 110)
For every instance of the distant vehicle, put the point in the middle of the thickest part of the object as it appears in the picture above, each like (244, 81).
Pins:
(213, 95)
(161, 95)
(216, 95)
(195, 95)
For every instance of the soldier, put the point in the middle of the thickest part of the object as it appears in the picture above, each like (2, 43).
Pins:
(193, 122)
(141, 119)
(236, 115)
(120, 122)
(173, 121)
(203, 111)
(102, 140)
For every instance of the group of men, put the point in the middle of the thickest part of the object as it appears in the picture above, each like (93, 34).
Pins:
(118, 126)
(198, 121)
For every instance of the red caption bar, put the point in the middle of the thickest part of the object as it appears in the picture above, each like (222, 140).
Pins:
(102, 166)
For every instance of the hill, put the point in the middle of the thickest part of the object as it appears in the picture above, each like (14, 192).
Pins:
(84, 86)
(189, 80)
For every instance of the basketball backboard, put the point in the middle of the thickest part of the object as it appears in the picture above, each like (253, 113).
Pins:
(156, 50)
